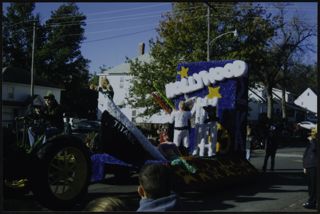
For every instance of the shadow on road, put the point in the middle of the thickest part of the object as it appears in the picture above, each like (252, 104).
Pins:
(264, 183)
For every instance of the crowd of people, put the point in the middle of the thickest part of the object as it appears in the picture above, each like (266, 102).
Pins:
(47, 119)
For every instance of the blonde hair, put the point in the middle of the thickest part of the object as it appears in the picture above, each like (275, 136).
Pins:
(313, 133)
(106, 204)
(105, 83)
(182, 105)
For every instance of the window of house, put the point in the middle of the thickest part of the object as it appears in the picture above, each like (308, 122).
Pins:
(11, 92)
(308, 94)
(121, 82)
(134, 113)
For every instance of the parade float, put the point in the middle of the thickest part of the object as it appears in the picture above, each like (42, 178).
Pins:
(60, 169)
(224, 85)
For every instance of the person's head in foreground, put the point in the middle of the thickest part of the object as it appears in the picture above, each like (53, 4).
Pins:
(106, 204)
(155, 188)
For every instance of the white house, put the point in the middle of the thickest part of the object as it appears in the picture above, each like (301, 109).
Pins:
(16, 92)
(258, 104)
(120, 81)
(308, 100)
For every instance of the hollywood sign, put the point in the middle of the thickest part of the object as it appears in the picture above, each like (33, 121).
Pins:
(204, 78)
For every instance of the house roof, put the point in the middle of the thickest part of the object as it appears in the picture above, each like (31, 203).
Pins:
(124, 68)
(19, 75)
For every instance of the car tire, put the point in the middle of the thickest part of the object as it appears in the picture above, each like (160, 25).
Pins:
(61, 173)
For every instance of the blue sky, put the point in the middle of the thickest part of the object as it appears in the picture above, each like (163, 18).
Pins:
(120, 27)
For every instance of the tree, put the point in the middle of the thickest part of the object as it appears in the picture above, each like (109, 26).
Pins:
(64, 63)
(307, 73)
(288, 46)
(183, 35)
(17, 34)
(94, 81)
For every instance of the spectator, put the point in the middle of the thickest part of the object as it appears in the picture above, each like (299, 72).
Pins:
(53, 115)
(36, 121)
(106, 204)
(181, 119)
(155, 189)
(248, 142)
(271, 146)
(310, 169)
(67, 126)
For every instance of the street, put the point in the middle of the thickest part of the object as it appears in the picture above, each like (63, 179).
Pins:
(283, 190)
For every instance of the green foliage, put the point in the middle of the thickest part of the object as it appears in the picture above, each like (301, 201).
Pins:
(64, 62)
(58, 58)
(57, 46)
(17, 34)
(94, 80)
(307, 73)
(183, 36)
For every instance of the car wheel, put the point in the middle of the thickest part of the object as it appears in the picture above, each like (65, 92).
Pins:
(61, 174)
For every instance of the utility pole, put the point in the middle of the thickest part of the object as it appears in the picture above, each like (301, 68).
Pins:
(32, 60)
(208, 39)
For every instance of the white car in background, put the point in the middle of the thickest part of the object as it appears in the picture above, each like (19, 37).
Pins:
(307, 125)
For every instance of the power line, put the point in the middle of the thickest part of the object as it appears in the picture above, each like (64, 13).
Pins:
(221, 6)
(264, 6)
(108, 18)
(98, 13)
(133, 15)
(113, 29)
(123, 10)
(115, 18)
(108, 21)
(119, 36)
(143, 17)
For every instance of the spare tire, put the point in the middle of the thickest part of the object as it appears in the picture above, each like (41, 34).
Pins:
(61, 173)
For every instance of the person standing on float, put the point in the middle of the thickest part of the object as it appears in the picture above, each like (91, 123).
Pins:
(212, 129)
(181, 119)
(201, 137)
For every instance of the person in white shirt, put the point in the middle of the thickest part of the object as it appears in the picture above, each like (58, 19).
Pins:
(201, 137)
(181, 119)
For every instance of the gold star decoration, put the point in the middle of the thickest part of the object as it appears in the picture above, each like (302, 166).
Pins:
(214, 92)
(183, 72)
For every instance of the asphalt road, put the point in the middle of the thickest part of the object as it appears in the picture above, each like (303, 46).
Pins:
(283, 190)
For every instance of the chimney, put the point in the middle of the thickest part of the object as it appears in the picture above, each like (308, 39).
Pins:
(141, 48)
